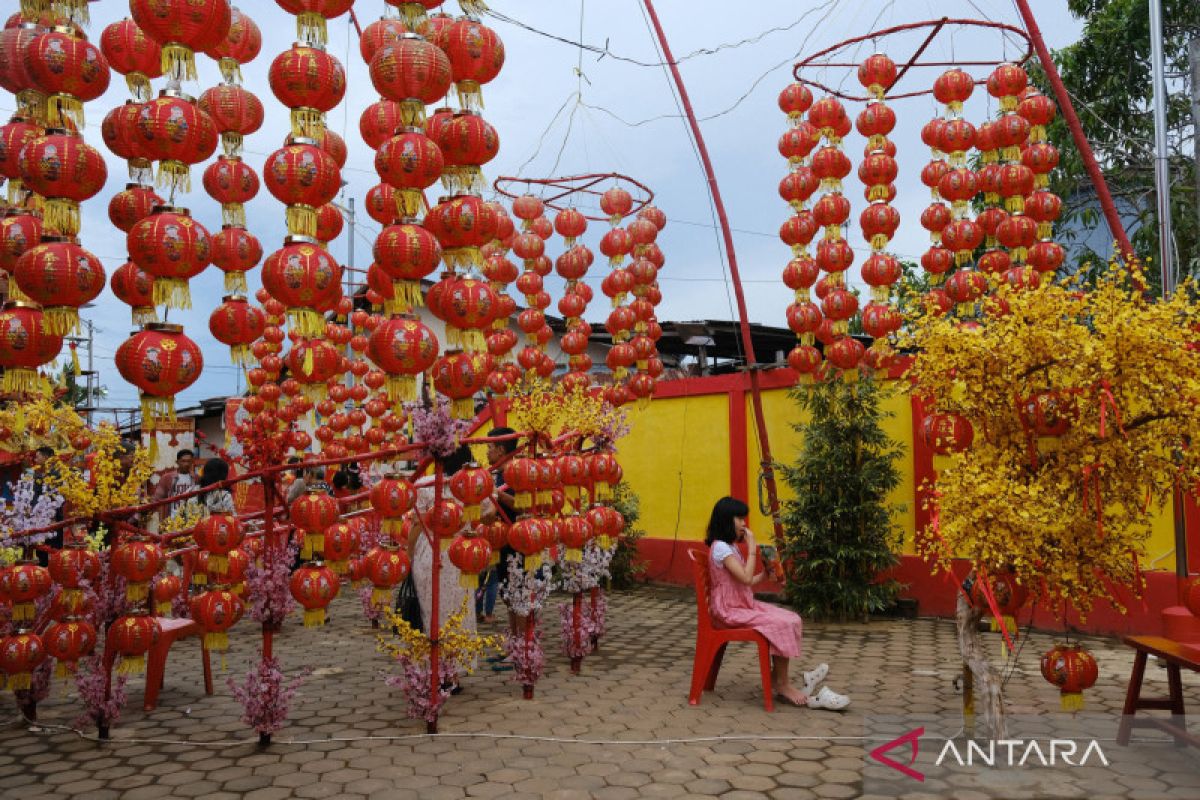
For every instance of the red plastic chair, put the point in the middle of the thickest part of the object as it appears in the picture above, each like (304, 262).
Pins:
(156, 660)
(711, 641)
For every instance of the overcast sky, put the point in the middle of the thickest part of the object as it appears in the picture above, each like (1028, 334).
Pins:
(560, 114)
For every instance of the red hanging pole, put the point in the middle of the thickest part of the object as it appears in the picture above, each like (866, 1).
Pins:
(752, 365)
(1072, 119)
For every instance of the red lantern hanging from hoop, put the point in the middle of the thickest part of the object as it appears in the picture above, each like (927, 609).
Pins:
(62, 277)
(25, 347)
(460, 376)
(235, 251)
(161, 362)
(177, 133)
(65, 170)
(410, 162)
(303, 177)
(182, 27)
(132, 53)
(172, 248)
(310, 82)
(403, 347)
(240, 45)
(412, 72)
(135, 288)
(70, 71)
(236, 112)
(237, 324)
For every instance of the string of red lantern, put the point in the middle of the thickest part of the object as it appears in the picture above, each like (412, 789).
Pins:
(879, 220)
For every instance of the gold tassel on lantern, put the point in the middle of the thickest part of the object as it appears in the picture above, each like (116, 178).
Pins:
(136, 592)
(463, 408)
(310, 324)
(73, 10)
(1014, 204)
(381, 596)
(240, 354)
(61, 321)
(461, 179)
(302, 221)
(163, 608)
(470, 98)
(231, 143)
(1071, 701)
(132, 665)
(178, 61)
(409, 202)
(24, 612)
(64, 111)
(314, 543)
(139, 86)
(469, 581)
(61, 215)
(314, 617)
(24, 381)
(574, 554)
(76, 371)
(174, 175)
(235, 283)
(308, 122)
(199, 578)
(231, 70)
(401, 388)
(144, 314)
(412, 112)
(172, 293)
(311, 28)
(533, 562)
(19, 681)
(406, 295)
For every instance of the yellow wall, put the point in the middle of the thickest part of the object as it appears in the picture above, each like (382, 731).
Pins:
(676, 458)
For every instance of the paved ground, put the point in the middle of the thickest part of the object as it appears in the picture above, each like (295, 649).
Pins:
(621, 729)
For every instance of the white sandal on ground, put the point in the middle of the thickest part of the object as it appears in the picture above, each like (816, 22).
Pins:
(828, 699)
(813, 678)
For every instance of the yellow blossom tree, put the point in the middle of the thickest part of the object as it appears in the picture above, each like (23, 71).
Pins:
(1083, 401)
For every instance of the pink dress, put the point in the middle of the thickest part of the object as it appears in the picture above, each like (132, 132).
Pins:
(733, 606)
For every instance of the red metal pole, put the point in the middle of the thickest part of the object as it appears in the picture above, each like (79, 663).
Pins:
(1072, 119)
(752, 366)
(269, 554)
(435, 683)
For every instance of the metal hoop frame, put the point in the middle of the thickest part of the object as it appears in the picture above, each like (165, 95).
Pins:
(572, 185)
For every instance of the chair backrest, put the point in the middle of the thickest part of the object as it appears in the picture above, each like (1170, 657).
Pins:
(703, 581)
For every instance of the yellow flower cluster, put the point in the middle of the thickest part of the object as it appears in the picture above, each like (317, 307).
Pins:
(186, 515)
(41, 423)
(108, 486)
(456, 641)
(549, 410)
(1070, 512)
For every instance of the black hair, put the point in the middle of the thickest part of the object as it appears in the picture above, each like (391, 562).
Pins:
(720, 524)
(214, 470)
(184, 452)
(46, 450)
(508, 445)
(457, 460)
(347, 477)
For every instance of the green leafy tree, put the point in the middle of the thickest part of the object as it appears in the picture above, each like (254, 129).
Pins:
(76, 392)
(1108, 73)
(627, 567)
(839, 533)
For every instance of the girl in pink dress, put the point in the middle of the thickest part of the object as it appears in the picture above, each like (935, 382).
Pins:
(733, 605)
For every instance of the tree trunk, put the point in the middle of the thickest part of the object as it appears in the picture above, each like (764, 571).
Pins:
(986, 681)
(1194, 63)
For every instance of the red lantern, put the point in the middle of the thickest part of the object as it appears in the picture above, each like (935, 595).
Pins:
(67, 642)
(1006, 83)
(391, 499)
(24, 347)
(70, 567)
(176, 133)
(137, 562)
(121, 136)
(410, 162)
(20, 655)
(795, 100)
(133, 54)
(476, 56)
(471, 554)
(65, 170)
(126, 208)
(385, 569)
(240, 45)
(881, 319)
(329, 223)
(961, 237)
(62, 277)
(877, 73)
(412, 72)
(71, 70)
(217, 612)
(182, 28)
(472, 486)
(804, 359)
(303, 177)
(314, 587)
(235, 111)
(1047, 414)
(1046, 256)
(164, 590)
(467, 142)
(232, 183)
(305, 278)
(379, 123)
(845, 352)
(459, 376)
(161, 361)
(135, 288)
(13, 137)
(570, 224)
(313, 362)
(403, 347)
(310, 82)
(235, 251)
(19, 231)
(945, 433)
(1073, 670)
(796, 143)
(953, 87)
(173, 248)
(382, 31)
(22, 584)
(237, 324)
(339, 544)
